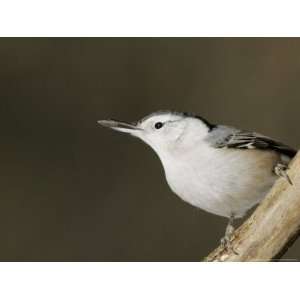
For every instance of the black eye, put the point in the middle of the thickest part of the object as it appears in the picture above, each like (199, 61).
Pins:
(158, 125)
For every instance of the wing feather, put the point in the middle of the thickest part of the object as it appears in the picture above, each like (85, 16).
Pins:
(252, 140)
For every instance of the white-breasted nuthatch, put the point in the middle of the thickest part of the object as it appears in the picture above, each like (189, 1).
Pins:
(220, 169)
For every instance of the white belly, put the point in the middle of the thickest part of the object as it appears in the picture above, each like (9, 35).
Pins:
(222, 181)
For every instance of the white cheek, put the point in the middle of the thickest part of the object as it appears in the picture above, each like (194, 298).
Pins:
(154, 141)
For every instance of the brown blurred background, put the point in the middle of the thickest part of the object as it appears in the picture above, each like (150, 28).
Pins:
(72, 191)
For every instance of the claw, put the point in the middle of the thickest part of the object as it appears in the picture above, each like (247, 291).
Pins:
(281, 171)
(227, 244)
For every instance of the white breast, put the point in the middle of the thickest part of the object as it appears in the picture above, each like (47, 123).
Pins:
(221, 181)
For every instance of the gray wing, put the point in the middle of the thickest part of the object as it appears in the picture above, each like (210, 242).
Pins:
(228, 137)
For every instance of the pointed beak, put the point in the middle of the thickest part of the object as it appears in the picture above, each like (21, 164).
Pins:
(120, 126)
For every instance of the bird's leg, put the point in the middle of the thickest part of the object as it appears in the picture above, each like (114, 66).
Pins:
(281, 170)
(226, 240)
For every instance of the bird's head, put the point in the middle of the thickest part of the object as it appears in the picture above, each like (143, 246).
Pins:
(165, 131)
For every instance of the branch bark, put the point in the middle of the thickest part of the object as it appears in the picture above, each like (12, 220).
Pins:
(272, 228)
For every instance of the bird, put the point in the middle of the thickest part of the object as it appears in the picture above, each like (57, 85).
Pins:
(220, 169)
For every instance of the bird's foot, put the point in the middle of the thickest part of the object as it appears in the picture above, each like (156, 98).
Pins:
(226, 244)
(281, 171)
(226, 241)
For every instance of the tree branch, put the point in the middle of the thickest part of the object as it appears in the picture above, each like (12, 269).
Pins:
(272, 228)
